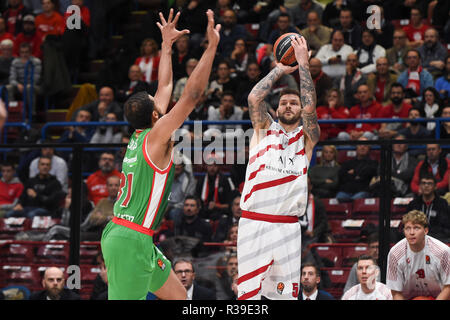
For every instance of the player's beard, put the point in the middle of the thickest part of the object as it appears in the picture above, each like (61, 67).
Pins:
(292, 120)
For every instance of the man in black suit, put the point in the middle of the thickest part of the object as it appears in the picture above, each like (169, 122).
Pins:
(53, 283)
(133, 85)
(184, 269)
(310, 280)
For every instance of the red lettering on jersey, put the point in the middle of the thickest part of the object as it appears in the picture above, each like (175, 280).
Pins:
(295, 290)
(421, 273)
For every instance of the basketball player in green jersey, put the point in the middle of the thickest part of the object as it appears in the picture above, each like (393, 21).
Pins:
(134, 265)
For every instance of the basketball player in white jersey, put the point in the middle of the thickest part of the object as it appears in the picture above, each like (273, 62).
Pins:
(368, 287)
(418, 265)
(276, 190)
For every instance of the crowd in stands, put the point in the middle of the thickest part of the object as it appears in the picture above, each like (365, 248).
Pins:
(399, 71)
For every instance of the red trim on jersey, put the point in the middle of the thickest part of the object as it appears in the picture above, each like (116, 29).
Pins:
(277, 133)
(254, 273)
(254, 173)
(275, 146)
(268, 217)
(250, 294)
(133, 226)
(301, 152)
(440, 254)
(160, 200)
(270, 184)
(149, 161)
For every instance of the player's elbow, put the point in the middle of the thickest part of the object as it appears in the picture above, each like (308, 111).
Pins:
(253, 99)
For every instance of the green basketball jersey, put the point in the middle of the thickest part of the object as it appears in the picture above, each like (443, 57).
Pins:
(144, 188)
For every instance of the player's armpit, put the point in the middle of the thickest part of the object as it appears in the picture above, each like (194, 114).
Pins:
(397, 295)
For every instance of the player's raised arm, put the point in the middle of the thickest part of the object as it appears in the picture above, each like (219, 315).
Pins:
(165, 75)
(195, 85)
(308, 96)
(257, 107)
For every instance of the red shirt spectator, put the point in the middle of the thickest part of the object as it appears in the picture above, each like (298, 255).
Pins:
(149, 60)
(334, 109)
(96, 182)
(29, 35)
(50, 22)
(435, 164)
(10, 188)
(415, 34)
(390, 112)
(3, 34)
(14, 16)
(415, 30)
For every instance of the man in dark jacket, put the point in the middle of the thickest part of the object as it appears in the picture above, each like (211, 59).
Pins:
(53, 283)
(191, 224)
(310, 280)
(356, 174)
(104, 105)
(42, 194)
(229, 220)
(435, 208)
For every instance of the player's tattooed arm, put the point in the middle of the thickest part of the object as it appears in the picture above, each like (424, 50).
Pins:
(258, 108)
(308, 100)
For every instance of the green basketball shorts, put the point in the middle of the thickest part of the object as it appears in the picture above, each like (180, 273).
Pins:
(134, 265)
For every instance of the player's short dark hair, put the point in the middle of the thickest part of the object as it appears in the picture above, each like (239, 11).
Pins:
(138, 110)
(281, 15)
(7, 164)
(397, 85)
(427, 176)
(366, 257)
(196, 199)
(289, 91)
(373, 237)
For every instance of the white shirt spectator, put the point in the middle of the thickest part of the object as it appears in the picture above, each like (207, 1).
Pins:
(326, 52)
(378, 52)
(421, 273)
(380, 292)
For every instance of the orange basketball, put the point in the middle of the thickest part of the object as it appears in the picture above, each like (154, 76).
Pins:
(283, 50)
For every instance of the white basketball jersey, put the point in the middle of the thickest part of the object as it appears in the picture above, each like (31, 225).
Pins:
(421, 273)
(381, 292)
(276, 177)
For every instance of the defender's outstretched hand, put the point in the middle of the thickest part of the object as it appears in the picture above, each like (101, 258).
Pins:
(168, 28)
(212, 32)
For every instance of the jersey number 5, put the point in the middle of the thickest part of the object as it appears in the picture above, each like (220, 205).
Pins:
(125, 183)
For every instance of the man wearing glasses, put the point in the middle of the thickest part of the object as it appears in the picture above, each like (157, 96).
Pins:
(397, 54)
(415, 79)
(435, 208)
(184, 269)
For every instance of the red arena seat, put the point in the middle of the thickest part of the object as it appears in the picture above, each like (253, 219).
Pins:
(331, 254)
(337, 210)
(53, 253)
(366, 207)
(351, 252)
